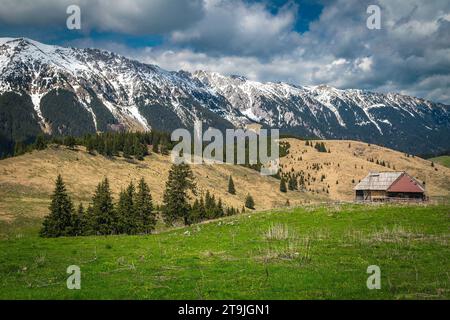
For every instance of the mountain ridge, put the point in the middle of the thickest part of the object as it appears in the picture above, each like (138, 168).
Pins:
(107, 89)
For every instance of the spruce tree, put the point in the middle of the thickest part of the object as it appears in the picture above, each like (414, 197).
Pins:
(210, 204)
(70, 142)
(219, 212)
(231, 188)
(164, 147)
(103, 215)
(90, 144)
(202, 209)
(249, 202)
(40, 142)
(139, 150)
(283, 185)
(195, 212)
(292, 183)
(127, 148)
(78, 221)
(155, 144)
(126, 216)
(59, 222)
(144, 208)
(176, 197)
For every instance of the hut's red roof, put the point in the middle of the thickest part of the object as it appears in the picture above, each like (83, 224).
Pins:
(405, 183)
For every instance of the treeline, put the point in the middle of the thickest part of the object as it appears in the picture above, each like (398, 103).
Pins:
(134, 212)
(110, 144)
(283, 150)
(130, 145)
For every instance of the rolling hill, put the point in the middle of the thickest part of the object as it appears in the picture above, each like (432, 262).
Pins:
(27, 181)
(347, 163)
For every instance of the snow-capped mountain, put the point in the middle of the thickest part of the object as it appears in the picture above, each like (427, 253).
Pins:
(74, 91)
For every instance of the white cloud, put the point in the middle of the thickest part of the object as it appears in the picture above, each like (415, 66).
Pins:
(235, 27)
(410, 54)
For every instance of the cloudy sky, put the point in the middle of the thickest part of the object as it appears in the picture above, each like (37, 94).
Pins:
(304, 42)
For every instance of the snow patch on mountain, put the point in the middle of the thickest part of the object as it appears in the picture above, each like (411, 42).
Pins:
(125, 87)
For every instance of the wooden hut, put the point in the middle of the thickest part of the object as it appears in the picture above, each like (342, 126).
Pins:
(389, 186)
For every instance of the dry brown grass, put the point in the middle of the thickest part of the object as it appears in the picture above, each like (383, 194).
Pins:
(27, 181)
(345, 164)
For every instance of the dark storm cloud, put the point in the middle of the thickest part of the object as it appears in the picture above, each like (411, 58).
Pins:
(134, 17)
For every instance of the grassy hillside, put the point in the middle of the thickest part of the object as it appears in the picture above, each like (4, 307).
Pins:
(348, 163)
(27, 181)
(309, 253)
(443, 160)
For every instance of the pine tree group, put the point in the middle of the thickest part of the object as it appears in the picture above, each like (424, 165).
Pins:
(133, 214)
(320, 147)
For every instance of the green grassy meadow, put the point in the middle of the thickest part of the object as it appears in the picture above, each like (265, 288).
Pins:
(315, 252)
(443, 160)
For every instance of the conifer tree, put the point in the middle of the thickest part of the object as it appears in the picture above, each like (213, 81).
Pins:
(127, 149)
(283, 185)
(155, 144)
(40, 142)
(202, 209)
(126, 216)
(164, 146)
(78, 221)
(108, 150)
(231, 189)
(219, 212)
(90, 144)
(59, 222)
(195, 212)
(249, 202)
(103, 215)
(70, 142)
(292, 183)
(138, 150)
(209, 205)
(144, 208)
(175, 198)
